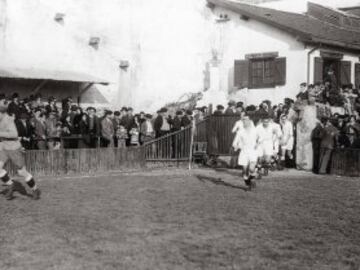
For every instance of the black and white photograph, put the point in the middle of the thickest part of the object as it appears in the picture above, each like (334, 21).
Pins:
(180, 135)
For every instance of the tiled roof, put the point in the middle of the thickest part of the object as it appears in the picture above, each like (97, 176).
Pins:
(306, 28)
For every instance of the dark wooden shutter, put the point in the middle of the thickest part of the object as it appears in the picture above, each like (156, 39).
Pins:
(318, 70)
(345, 72)
(280, 71)
(241, 73)
(357, 75)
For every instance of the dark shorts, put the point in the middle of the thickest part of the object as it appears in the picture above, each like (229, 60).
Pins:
(15, 156)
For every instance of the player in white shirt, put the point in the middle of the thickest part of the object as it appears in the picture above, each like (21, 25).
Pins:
(239, 124)
(267, 134)
(246, 140)
(287, 141)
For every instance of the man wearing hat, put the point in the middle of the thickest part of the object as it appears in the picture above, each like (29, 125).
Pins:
(231, 108)
(303, 94)
(10, 149)
(187, 118)
(14, 106)
(51, 106)
(147, 132)
(93, 124)
(219, 110)
(176, 122)
(107, 130)
(327, 144)
(161, 124)
(239, 108)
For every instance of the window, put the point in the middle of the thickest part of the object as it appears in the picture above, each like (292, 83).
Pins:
(260, 71)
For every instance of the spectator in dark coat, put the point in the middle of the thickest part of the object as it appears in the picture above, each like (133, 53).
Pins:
(39, 129)
(93, 124)
(147, 132)
(239, 108)
(327, 145)
(316, 136)
(176, 122)
(161, 123)
(14, 106)
(219, 110)
(51, 106)
(24, 130)
(107, 130)
(186, 120)
(231, 108)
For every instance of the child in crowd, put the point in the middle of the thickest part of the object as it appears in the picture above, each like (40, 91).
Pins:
(122, 136)
(134, 139)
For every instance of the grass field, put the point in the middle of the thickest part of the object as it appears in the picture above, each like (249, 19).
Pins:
(177, 220)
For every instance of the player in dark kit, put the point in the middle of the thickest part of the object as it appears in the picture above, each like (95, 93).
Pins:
(10, 149)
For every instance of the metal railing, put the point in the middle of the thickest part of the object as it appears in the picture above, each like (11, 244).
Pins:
(173, 146)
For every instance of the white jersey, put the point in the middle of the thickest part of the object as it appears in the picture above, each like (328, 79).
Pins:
(238, 125)
(266, 135)
(246, 139)
(8, 134)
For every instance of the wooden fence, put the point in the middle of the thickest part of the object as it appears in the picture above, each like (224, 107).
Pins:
(216, 130)
(172, 147)
(82, 161)
(346, 162)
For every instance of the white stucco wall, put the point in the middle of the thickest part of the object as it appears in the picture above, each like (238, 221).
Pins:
(164, 41)
(239, 37)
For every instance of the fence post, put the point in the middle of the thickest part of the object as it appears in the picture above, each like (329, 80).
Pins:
(192, 132)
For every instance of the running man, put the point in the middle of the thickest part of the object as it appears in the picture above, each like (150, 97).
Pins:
(10, 149)
(267, 135)
(246, 140)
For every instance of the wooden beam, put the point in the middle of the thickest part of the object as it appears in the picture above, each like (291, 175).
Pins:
(83, 90)
(40, 85)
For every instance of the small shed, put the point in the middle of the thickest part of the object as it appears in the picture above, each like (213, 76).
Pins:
(57, 83)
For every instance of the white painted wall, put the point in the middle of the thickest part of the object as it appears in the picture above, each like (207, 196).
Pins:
(164, 41)
(239, 37)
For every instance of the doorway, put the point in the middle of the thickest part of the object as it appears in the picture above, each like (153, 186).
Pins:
(331, 71)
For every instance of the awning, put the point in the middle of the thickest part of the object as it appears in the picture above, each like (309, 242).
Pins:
(54, 75)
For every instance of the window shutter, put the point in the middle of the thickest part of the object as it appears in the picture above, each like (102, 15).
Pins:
(357, 75)
(345, 71)
(280, 71)
(241, 73)
(318, 70)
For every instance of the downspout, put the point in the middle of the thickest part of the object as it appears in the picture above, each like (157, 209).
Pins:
(309, 64)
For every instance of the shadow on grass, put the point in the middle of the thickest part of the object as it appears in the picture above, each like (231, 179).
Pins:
(19, 188)
(218, 181)
(232, 173)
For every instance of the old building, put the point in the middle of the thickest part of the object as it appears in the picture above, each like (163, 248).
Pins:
(152, 52)
(266, 53)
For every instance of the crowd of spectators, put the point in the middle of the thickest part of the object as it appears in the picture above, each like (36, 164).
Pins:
(339, 125)
(338, 111)
(50, 124)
